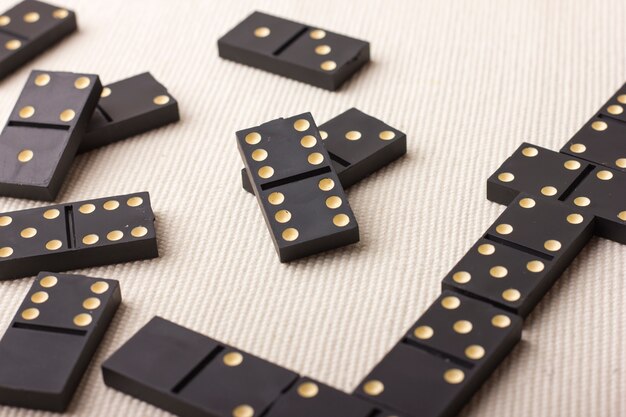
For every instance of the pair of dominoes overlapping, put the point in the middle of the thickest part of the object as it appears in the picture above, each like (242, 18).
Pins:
(298, 173)
(57, 115)
(556, 202)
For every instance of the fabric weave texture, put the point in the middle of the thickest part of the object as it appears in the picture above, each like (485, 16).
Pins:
(468, 81)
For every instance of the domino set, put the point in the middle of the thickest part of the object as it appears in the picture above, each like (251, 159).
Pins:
(556, 201)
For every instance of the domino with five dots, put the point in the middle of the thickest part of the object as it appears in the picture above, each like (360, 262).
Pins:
(522, 254)
(38, 144)
(127, 108)
(77, 235)
(444, 359)
(537, 171)
(52, 338)
(30, 28)
(308, 54)
(302, 200)
(358, 145)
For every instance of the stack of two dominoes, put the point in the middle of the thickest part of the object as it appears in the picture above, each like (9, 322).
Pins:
(297, 171)
(59, 114)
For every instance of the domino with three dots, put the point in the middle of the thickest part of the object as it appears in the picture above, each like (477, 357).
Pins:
(127, 108)
(52, 338)
(302, 200)
(38, 144)
(444, 358)
(308, 54)
(189, 374)
(77, 235)
(358, 145)
(30, 28)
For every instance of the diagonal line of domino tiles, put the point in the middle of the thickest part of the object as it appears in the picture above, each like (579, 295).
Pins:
(556, 203)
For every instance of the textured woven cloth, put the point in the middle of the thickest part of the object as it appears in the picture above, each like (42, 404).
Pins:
(468, 81)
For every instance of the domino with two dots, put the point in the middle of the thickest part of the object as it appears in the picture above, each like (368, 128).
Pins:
(30, 28)
(308, 54)
(358, 145)
(301, 198)
(52, 338)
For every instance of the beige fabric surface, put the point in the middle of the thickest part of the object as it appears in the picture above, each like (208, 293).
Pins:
(468, 81)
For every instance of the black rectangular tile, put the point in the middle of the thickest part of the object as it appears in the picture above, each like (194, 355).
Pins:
(308, 54)
(358, 145)
(298, 191)
(445, 358)
(602, 194)
(77, 235)
(466, 330)
(543, 227)
(29, 29)
(236, 384)
(189, 374)
(127, 108)
(535, 170)
(38, 144)
(52, 338)
(503, 275)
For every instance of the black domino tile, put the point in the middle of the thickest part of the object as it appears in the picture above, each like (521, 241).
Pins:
(309, 398)
(462, 328)
(38, 144)
(127, 108)
(543, 227)
(358, 145)
(189, 374)
(29, 29)
(502, 275)
(435, 374)
(236, 384)
(300, 195)
(308, 54)
(535, 170)
(77, 235)
(52, 338)
(156, 361)
(601, 141)
(602, 194)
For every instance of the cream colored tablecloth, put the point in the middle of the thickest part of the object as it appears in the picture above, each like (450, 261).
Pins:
(468, 81)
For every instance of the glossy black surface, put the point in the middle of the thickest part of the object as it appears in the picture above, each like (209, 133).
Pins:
(77, 235)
